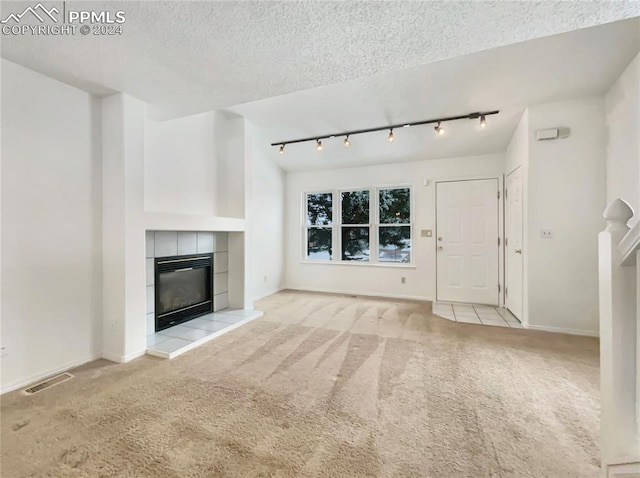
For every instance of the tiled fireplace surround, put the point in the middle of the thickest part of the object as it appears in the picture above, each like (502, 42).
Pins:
(178, 243)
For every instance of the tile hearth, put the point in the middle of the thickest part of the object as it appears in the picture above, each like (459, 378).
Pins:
(176, 340)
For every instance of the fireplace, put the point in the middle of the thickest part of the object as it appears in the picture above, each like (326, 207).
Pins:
(183, 288)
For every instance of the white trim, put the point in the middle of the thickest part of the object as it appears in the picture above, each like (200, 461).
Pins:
(40, 376)
(560, 330)
(623, 470)
(112, 357)
(122, 358)
(266, 294)
(366, 294)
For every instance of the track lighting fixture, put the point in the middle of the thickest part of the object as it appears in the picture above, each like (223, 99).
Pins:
(439, 128)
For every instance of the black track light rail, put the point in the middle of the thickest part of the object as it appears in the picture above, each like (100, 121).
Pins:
(475, 115)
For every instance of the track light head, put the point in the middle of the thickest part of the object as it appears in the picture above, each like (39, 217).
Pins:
(439, 128)
(390, 138)
(282, 149)
(483, 121)
(318, 145)
(347, 143)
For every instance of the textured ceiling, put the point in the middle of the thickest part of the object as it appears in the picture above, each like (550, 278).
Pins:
(184, 57)
(572, 65)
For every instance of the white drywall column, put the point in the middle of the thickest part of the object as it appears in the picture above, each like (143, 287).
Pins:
(234, 169)
(123, 230)
(619, 440)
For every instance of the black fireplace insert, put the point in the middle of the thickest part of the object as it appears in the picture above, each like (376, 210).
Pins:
(183, 288)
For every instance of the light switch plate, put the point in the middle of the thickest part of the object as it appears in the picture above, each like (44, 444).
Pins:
(426, 233)
(546, 233)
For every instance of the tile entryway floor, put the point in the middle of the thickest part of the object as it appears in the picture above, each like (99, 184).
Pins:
(476, 314)
(176, 340)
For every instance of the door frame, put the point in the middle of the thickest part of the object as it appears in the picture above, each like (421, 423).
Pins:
(504, 250)
(501, 205)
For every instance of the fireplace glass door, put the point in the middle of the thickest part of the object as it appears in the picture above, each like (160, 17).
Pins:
(183, 288)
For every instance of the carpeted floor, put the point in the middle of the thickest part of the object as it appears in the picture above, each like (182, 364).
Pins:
(324, 385)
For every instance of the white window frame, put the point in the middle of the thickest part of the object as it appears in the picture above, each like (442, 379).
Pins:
(378, 224)
(374, 225)
(370, 224)
(305, 227)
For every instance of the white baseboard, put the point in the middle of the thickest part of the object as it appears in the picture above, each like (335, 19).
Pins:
(366, 294)
(625, 470)
(560, 330)
(267, 294)
(53, 371)
(122, 358)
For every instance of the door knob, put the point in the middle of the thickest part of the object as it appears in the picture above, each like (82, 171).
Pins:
(440, 238)
(518, 251)
(440, 248)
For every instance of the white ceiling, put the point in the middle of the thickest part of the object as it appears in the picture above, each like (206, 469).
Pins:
(184, 57)
(312, 67)
(572, 65)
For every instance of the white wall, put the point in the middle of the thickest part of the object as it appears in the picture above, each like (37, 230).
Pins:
(566, 193)
(267, 221)
(369, 279)
(623, 138)
(51, 226)
(124, 327)
(180, 165)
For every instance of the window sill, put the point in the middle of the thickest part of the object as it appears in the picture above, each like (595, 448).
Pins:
(390, 265)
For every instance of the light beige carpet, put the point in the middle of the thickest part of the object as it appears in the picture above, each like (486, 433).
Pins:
(324, 385)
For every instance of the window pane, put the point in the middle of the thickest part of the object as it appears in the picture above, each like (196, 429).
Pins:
(319, 243)
(319, 212)
(395, 207)
(355, 207)
(394, 244)
(355, 243)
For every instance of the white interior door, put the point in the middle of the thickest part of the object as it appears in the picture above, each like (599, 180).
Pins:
(513, 246)
(467, 241)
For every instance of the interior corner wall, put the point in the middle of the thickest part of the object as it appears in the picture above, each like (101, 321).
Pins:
(518, 148)
(180, 165)
(380, 280)
(267, 221)
(124, 285)
(51, 226)
(565, 193)
(623, 138)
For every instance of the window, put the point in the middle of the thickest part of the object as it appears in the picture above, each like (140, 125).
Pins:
(319, 226)
(355, 227)
(366, 220)
(394, 228)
